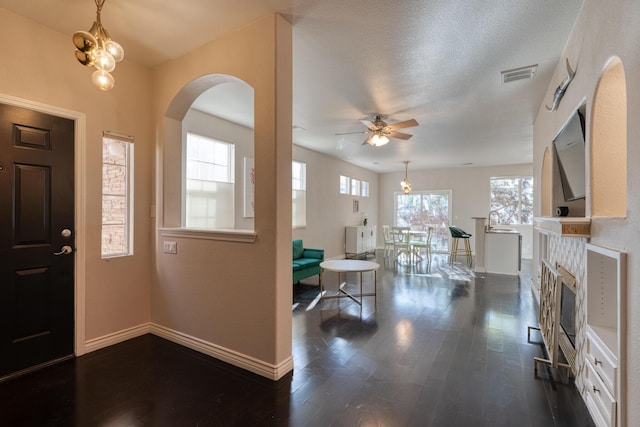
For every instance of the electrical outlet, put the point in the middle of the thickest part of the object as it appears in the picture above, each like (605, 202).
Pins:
(170, 247)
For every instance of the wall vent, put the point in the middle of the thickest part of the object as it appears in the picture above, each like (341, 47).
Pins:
(521, 73)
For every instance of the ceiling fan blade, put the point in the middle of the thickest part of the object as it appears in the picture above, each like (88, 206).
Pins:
(399, 135)
(367, 141)
(369, 124)
(352, 133)
(402, 125)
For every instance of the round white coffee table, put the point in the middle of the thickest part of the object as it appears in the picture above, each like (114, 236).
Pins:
(349, 266)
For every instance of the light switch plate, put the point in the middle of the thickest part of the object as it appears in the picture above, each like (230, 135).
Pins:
(170, 247)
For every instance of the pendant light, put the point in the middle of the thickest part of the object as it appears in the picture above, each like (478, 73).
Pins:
(94, 48)
(405, 184)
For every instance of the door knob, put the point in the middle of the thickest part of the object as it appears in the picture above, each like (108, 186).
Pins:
(65, 250)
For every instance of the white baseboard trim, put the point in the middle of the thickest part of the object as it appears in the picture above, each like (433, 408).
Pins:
(116, 337)
(251, 364)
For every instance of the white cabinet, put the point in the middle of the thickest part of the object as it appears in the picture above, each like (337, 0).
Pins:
(502, 252)
(360, 240)
(605, 336)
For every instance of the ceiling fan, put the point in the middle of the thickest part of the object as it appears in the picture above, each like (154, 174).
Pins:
(379, 131)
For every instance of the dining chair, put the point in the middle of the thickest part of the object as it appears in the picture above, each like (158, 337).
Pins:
(420, 242)
(401, 248)
(388, 240)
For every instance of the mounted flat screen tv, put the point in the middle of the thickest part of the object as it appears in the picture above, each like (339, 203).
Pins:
(570, 152)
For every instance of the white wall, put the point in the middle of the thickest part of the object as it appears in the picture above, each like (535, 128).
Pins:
(604, 30)
(470, 193)
(328, 211)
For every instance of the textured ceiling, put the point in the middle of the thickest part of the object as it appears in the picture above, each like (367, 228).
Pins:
(437, 61)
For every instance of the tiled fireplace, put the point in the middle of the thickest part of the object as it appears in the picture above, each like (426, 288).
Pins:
(600, 318)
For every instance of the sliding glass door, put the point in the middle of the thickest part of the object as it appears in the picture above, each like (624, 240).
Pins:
(428, 209)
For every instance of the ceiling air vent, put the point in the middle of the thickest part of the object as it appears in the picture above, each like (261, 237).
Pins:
(519, 73)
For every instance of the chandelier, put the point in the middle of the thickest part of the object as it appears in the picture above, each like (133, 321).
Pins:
(405, 184)
(94, 48)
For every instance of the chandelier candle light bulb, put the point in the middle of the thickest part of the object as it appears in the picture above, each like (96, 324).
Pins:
(94, 48)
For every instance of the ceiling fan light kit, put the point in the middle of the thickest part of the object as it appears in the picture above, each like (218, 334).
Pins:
(379, 131)
(94, 48)
(378, 140)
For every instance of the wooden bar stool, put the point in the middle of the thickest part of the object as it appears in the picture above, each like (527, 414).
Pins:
(456, 234)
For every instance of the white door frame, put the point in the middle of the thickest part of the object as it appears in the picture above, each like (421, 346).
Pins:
(79, 208)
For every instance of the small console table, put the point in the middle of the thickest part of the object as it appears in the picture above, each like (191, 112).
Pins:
(360, 241)
(349, 266)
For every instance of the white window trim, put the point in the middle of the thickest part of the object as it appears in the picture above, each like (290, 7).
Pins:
(348, 193)
(363, 185)
(303, 180)
(129, 194)
(357, 188)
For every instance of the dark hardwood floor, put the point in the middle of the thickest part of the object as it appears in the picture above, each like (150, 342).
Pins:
(437, 347)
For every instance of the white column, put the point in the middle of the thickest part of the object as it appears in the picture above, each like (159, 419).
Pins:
(479, 244)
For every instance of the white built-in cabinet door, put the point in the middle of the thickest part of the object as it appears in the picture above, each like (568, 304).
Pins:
(360, 239)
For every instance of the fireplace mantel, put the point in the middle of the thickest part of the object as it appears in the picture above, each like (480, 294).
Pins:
(564, 226)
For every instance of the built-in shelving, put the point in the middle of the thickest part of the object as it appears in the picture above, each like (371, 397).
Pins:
(606, 335)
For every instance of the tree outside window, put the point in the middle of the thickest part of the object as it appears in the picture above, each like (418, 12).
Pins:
(512, 199)
(426, 209)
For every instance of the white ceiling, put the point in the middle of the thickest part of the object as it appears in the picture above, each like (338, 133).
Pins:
(437, 61)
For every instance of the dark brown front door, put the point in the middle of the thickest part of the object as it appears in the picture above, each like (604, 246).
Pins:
(36, 223)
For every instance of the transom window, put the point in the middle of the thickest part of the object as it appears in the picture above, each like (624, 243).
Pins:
(365, 189)
(355, 187)
(345, 183)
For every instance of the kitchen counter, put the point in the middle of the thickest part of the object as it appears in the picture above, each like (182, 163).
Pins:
(497, 250)
(502, 251)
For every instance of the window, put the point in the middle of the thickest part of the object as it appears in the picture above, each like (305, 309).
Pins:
(117, 196)
(365, 189)
(512, 199)
(355, 187)
(344, 185)
(427, 209)
(299, 194)
(209, 195)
